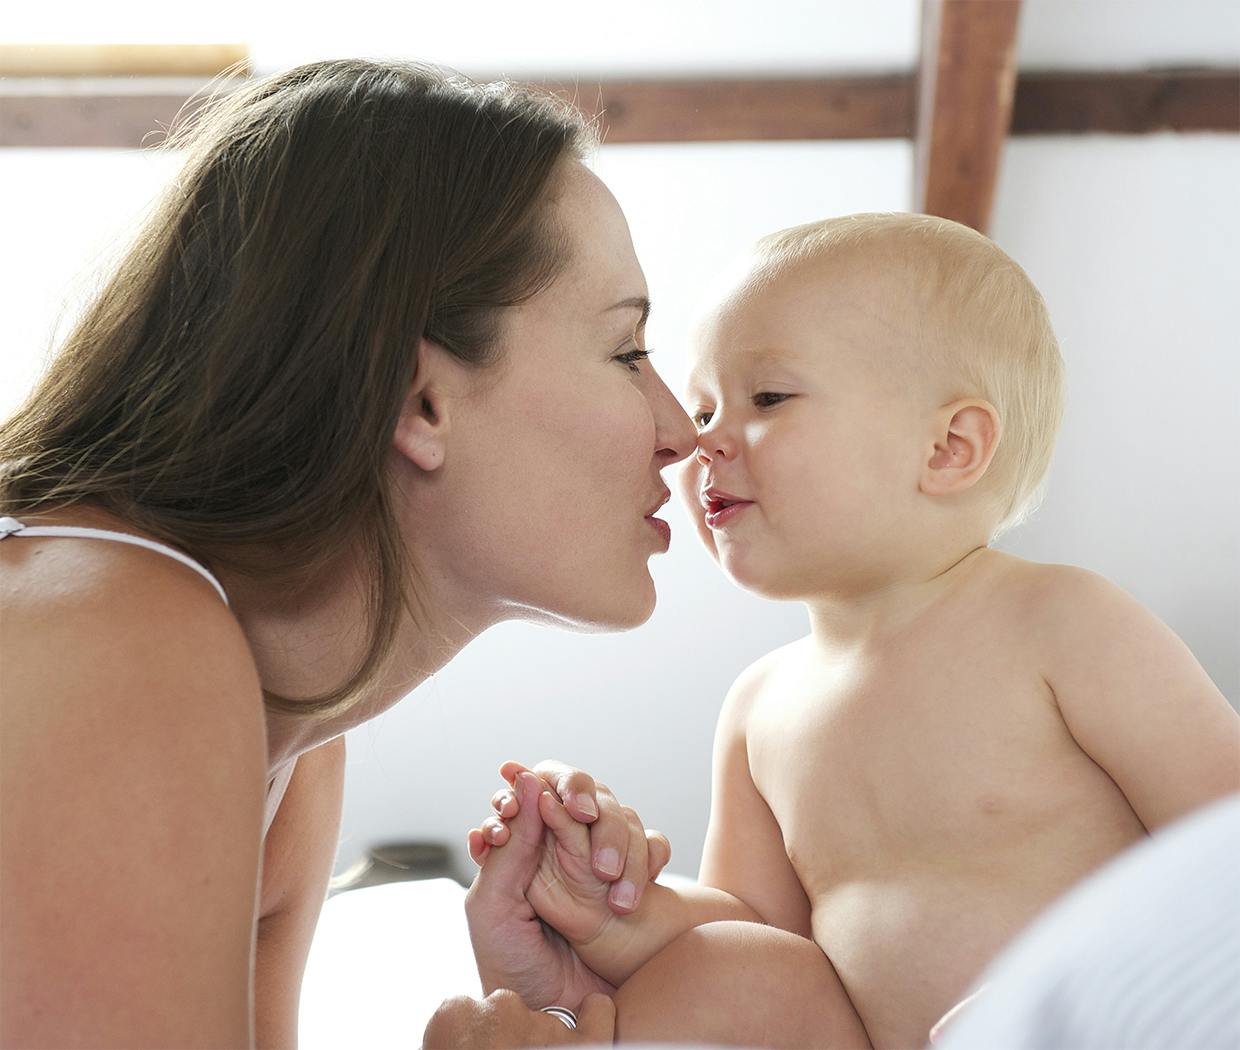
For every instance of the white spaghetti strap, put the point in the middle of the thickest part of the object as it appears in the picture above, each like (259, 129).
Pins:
(13, 527)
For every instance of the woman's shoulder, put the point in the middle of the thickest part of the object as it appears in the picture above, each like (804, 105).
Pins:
(134, 771)
(123, 639)
(61, 573)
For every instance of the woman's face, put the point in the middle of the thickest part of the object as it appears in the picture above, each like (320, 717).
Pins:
(552, 460)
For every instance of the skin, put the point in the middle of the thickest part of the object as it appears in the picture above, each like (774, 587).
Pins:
(494, 470)
(962, 736)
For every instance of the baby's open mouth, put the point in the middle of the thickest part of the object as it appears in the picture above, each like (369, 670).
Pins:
(721, 507)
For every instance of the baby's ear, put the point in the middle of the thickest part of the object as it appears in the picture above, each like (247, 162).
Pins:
(966, 436)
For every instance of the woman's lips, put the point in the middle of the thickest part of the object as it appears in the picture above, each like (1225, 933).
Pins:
(662, 528)
(717, 519)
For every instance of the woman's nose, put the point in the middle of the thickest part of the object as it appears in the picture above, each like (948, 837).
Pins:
(675, 435)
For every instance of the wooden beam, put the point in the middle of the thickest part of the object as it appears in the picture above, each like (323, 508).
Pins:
(855, 107)
(127, 113)
(1127, 103)
(965, 90)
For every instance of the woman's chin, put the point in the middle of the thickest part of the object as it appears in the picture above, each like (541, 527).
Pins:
(623, 612)
(606, 610)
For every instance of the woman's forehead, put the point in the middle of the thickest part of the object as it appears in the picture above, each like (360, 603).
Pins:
(602, 267)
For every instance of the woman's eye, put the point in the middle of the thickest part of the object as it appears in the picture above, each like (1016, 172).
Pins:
(631, 358)
(767, 400)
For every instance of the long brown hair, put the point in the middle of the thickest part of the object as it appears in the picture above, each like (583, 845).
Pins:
(234, 386)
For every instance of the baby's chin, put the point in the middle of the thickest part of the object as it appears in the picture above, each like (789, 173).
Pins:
(750, 573)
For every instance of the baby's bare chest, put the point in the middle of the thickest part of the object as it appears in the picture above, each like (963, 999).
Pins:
(931, 761)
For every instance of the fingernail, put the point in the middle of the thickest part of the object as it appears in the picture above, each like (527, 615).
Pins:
(624, 894)
(608, 861)
(586, 806)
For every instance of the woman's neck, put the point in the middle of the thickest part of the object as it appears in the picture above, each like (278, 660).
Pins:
(314, 645)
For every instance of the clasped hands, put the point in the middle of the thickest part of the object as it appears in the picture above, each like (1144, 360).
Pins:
(560, 861)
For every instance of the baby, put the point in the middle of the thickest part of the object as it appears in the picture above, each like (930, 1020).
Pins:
(964, 734)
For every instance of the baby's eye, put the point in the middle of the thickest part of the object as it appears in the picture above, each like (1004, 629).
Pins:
(631, 358)
(768, 400)
(701, 419)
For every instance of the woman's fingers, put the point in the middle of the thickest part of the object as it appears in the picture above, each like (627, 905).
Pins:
(504, 802)
(577, 790)
(626, 891)
(503, 1020)
(492, 832)
(622, 851)
(658, 851)
(478, 849)
(596, 1020)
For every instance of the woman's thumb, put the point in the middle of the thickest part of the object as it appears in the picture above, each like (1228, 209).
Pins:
(510, 868)
(596, 1019)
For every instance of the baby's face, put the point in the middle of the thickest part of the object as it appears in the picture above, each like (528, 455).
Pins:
(802, 419)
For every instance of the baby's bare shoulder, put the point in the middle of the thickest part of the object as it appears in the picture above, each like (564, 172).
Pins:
(1015, 588)
(759, 675)
(1054, 597)
(756, 680)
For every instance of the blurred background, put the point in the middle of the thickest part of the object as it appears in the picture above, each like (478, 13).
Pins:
(1112, 177)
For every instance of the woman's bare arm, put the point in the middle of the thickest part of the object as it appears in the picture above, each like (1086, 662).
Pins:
(297, 864)
(134, 766)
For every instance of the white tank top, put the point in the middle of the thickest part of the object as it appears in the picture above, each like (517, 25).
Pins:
(279, 782)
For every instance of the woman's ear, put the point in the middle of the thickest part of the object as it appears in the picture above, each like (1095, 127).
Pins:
(422, 429)
(967, 435)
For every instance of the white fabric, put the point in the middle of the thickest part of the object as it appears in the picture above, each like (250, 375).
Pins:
(382, 960)
(1142, 955)
(13, 527)
(276, 788)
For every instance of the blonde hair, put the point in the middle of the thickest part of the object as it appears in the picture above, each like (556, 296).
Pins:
(990, 333)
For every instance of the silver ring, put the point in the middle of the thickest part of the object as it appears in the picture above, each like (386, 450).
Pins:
(563, 1013)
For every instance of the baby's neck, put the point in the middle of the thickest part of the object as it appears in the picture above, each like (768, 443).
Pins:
(859, 623)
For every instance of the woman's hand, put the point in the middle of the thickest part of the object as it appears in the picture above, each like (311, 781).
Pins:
(565, 892)
(503, 1020)
(513, 948)
(622, 852)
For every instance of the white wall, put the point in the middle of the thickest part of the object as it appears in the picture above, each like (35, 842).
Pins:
(1132, 241)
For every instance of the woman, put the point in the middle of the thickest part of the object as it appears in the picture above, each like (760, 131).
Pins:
(372, 374)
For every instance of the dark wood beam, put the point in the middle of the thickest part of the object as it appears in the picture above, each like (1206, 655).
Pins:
(127, 113)
(965, 90)
(1127, 103)
(856, 107)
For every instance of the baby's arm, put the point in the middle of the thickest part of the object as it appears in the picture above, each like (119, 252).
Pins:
(1135, 699)
(745, 873)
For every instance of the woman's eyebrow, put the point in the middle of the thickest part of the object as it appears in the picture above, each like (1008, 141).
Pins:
(637, 302)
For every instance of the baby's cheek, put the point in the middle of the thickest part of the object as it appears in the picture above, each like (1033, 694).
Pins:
(689, 483)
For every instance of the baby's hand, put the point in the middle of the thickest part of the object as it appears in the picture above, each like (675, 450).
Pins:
(595, 835)
(566, 893)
